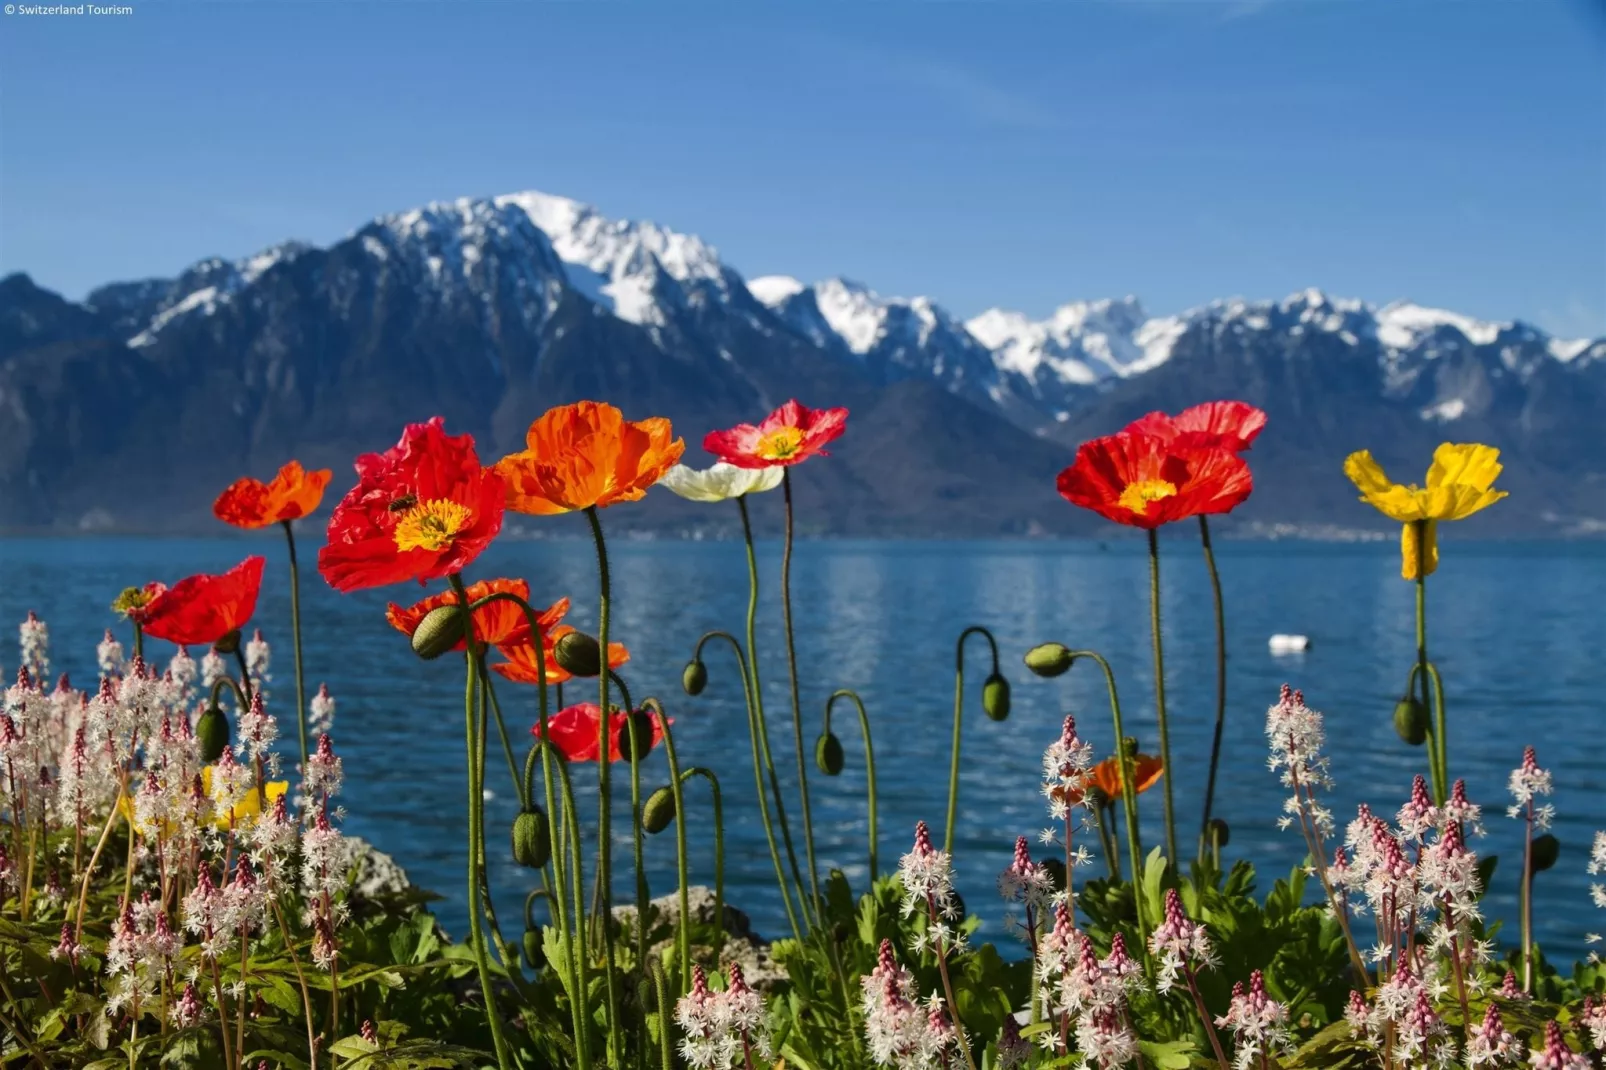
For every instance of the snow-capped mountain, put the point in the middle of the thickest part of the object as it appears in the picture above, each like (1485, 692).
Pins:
(484, 309)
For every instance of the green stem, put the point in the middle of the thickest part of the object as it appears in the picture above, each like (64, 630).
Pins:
(666, 1056)
(295, 632)
(510, 959)
(683, 934)
(797, 708)
(719, 848)
(604, 787)
(1221, 683)
(476, 834)
(1159, 695)
(869, 766)
(959, 708)
(755, 733)
(1526, 905)
(1129, 801)
(643, 895)
(139, 640)
(501, 729)
(759, 719)
(245, 674)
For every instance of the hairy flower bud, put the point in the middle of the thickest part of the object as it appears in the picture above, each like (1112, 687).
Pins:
(578, 654)
(534, 954)
(1055, 868)
(439, 631)
(1219, 834)
(532, 838)
(695, 677)
(659, 810)
(995, 697)
(1546, 849)
(212, 731)
(229, 643)
(828, 754)
(1049, 659)
(1411, 720)
(635, 738)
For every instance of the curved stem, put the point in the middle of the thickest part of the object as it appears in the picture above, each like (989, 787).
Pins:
(1221, 683)
(1129, 802)
(240, 697)
(501, 729)
(604, 787)
(869, 766)
(797, 708)
(476, 834)
(719, 848)
(759, 719)
(683, 931)
(295, 633)
(245, 674)
(753, 720)
(959, 708)
(1159, 696)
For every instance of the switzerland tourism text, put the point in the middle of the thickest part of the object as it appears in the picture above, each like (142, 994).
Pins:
(69, 9)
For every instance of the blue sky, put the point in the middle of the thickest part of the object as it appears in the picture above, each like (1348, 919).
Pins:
(985, 154)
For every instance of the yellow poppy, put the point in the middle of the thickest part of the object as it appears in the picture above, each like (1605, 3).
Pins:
(1459, 483)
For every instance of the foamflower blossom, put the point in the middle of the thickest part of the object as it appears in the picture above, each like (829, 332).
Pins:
(1259, 1023)
(35, 639)
(1528, 782)
(1492, 1045)
(321, 711)
(1180, 944)
(721, 481)
(1556, 1055)
(927, 876)
(901, 1030)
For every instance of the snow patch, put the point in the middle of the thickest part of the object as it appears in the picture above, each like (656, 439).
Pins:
(1403, 325)
(774, 290)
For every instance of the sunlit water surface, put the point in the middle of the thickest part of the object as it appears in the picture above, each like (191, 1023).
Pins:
(1517, 630)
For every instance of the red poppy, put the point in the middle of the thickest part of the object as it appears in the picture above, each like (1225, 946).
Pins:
(521, 666)
(1144, 481)
(1232, 425)
(790, 435)
(495, 622)
(421, 510)
(199, 610)
(291, 495)
(574, 731)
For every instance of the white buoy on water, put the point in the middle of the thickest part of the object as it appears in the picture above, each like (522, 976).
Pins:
(1288, 644)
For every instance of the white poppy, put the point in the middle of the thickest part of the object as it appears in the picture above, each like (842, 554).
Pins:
(721, 482)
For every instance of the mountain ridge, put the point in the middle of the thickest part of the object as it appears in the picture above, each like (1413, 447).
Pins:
(488, 310)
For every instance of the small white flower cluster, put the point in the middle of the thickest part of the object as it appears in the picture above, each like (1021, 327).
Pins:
(1527, 783)
(109, 655)
(1076, 985)
(721, 1029)
(1556, 1055)
(903, 1031)
(927, 877)
(1179, 943)
(257, 657)
(1259, 1024)
(321, 711)
(1296, 737)
(1026, 882)
(35, 638)
(1492, 1045)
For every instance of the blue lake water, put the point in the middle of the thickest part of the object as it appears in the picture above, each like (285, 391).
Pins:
(1517, 630)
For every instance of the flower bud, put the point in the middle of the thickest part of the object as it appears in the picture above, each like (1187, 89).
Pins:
(1049, 659)
(1220, 834)
(1546, 848)
(638, 728)
(534, 954)
(578, 654)
(828, 754)
(229, 643)
(695, 677)
(995, 697)
(659, 810)
(1055, 868)
(439, 631)
(1129, 747)
(212, 732)
(532, 838)
(1411, 720)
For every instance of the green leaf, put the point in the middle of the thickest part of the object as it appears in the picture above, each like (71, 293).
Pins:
(1169, 1055)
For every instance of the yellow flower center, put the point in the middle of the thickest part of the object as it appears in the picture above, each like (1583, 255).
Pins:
(780, 443)
(1137, 496)
(430, 525)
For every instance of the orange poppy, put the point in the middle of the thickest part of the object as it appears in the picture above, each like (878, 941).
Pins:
(1105, 778)
(291, 495)
(495, 623)
(521, 666)
(584, 456)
